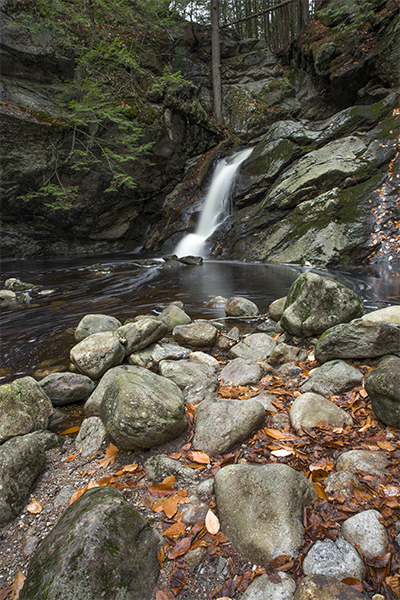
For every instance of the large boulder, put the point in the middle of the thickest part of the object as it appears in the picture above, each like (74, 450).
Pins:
(309, 409)
(186, 372)
(241, 307)
(333, 377)
(96, 323)
(256, 346)
(315, 587)
(241, 372)
(92, 404)
(173, 316)
(315, 303)
(260, 509)
(24, 407)
(390, 314)
(198, 334)
(358, 339)
(64, 388)
(141, 333)
(97, 353)
(143, 409)
(22, 460)
(383, 387)
(100, 548)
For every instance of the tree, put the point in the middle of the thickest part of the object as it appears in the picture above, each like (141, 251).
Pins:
(216, 60)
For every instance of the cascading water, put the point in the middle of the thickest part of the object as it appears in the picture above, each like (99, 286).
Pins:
(216, 205)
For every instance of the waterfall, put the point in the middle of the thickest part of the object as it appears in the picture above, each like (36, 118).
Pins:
(216, 205)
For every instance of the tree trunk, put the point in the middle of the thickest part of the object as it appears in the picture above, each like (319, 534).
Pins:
(216, 61)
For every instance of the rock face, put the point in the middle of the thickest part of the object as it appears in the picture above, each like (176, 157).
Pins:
(142, 409)
(186, 372)
(390, 314)
(260, 509)
(100, 548)
(241, 372)
(383, 387)
(315, 303)
(256, 346)
(198, 334)
(92, 404)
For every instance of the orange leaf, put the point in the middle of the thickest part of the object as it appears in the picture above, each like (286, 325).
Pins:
(4, 593)
(110, 456)
(130, 468)
(384, 445)
(70, 430)
(320, 491)
(212, 523)
(168, 505)
(164, 595)
(354, 583)
(180, 548)
(199, 457)
(161, 557)
(175, 530)
(166, 488)
(274, 433)
(17, 586)
(34, 507)
(71, 457)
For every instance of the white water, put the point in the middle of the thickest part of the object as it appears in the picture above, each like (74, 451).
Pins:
(216, 205)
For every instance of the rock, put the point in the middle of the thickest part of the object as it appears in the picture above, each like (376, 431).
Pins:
(264, 589)
(226, 341)
(290, 370)
(8, 295)
(195, 511)
(241, 307)
(65, 388)
(217, 302)
(22, 460)
(335, 559)
(280, 421)
(96, 323)
(260, 509)
(284, 353)
(366, 530)
(204, 358)
(186, 372)
(100, 548)
(161, 466)
(141, 333)
(152, 355)
(97, 353)
(390, 314)
(16, 285)
(315, 587)
(309, 409)
(194, 558)
(315, 303)
(368, 461)
(266, 400)
(48, 438)
(173, 316)
(191, 260)
(241, 372)
(358, 339)
(92, 404)
(276, 309)
(201, 390)
(383, 387)
(334, 377)
(142, 409)
(198, 334)
(342, 483)
(256, 346)
(222, 424)
(90, 436)
(24, 407)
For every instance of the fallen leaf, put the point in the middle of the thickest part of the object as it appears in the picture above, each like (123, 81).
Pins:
(4, 593)
(71, 457)
(17, 586)
(175, 530)
(180, 548)
(212, 523)
(198, 457)
(110, 456)
(384, 445)
(34, 507)
(70, 430)
(354, 583)
(78, 493)
(165, 488)
(168, 505)
(276, 434)
(164, 595)
(161, 557)
(320, 491)
(281, 453)
(130, 468)
(177, 580)
(391, 490)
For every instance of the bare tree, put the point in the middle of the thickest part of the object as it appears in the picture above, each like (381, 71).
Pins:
(216, 60)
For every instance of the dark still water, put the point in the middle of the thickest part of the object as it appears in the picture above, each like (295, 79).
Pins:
(38, 336)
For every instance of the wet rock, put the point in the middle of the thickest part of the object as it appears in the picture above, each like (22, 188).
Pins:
(100, 548)
(276, 309)
(191, 260)
(161, 466)
(372, 462)
(241, 307)
(260, 509)
(264, 589)
(97, 353)
(226, 341)
(333, 377)
(217, 302)
(257, 347)
(90, 436)
(309, 409)
(315, 587)
(315, 303)
(172, 316)
(65, 388)
(204, 358)
(22, 460)
(92, 404)
(141, 333)
(283, 353)
(186, 372)
(8, 296)
(241, 372)
(223, 423)
(24, 407)
(390, 314)
(142, 409)
(335, 559)
(95, 323)
(16, 285)
(366, 530)
(152, 355)
(383, 387)
(198, 334)
(358, 339)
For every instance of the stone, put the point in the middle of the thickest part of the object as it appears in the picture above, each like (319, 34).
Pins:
(335, 559)
(358, 339)
(222, 424)
(204, 358)
(24, 407)
(226, 341)
(366, 530)
(22, 460)
(152, 355)
(173, 316)
(95, 323)
(197, 334)
(186, 372)
(383, 387)
(260, 509)
(141, 333)
(263, 588)
(90, 436)
(390, 314)
(217, 302)
(309, 409)
(8, 295)
(161, 466)
(195, 511)
(316, 587)
(342, 483)
(256, 346)
(368, 461)
(97, 353)
(92, 404)
(205, 389)
(241, 307)
(142, 409)
(332, 378)
(241, 372)
(266, 400)
(276, 308)
(315, 303)
(283, 353)
(65, 388)
(101, 547)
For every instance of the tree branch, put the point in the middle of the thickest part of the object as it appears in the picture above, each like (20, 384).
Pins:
(263, 12)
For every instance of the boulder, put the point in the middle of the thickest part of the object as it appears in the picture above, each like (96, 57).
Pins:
(390, 314)
(221, 424)
(173, 316)
(96, 323)
(368, 461)
(333, 377)
(358, 339)
(142, 409)
(342, 483)
(315, 587)
(22, 460)
(260, 509)
(152, 355)
(141, 333)
(383, 387)
(315, 303)
(205, 389)
(335, 559)
(309, 409)
(263, 588)
(284, 353)
(97, 353)
(226, 340)
(198, 334)
(256, 346)
(241, 372)
(241, 307)
(276, 309)
(90, 436)
(92, 404)
(100, 548)
(161, 466)
(24, 407)
(65, 388)
(204, 358)
(186, 372)
(367, 531)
